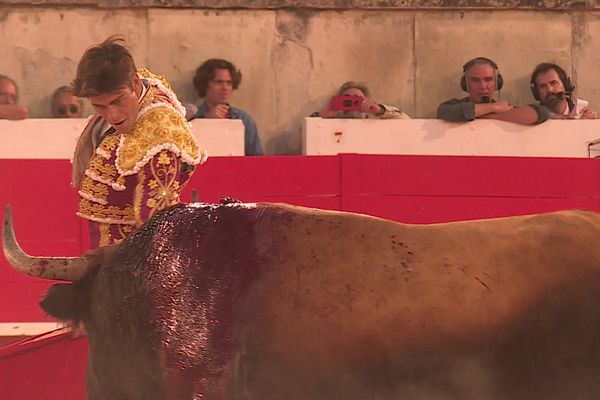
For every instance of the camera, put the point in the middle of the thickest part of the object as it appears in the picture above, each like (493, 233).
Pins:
(346, 103)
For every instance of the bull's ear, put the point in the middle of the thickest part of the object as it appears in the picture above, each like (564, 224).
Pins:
(64, 302)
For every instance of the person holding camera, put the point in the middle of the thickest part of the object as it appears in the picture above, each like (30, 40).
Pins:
(353, 100)
(482, 80)
(552, 87)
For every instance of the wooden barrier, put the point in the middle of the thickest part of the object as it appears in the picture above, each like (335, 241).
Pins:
(554, 138)
(415, 189)
(51, 366)
(56, 138)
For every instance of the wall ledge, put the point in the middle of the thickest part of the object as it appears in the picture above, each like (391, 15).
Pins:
(547, 5)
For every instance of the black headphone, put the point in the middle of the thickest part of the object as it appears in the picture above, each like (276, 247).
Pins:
(562, 75)
(481, 60)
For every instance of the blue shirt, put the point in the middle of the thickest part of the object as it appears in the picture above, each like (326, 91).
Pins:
(252, 145)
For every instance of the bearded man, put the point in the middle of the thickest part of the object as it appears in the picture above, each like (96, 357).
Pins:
(552, 87)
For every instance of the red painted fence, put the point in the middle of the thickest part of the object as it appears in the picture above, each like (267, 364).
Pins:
(44, 368)
(415, 189)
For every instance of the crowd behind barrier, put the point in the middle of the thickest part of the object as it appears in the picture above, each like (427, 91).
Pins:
(216, 79)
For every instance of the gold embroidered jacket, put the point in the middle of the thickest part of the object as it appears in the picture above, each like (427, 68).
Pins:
(129, 177)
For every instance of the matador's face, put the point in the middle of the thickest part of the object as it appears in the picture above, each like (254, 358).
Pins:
(120, 107)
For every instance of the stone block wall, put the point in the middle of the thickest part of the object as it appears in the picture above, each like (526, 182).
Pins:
(294, 54)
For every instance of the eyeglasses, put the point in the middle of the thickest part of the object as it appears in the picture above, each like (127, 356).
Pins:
(62, 110)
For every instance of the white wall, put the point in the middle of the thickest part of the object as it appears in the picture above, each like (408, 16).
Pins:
(47, 138)
(554, 138)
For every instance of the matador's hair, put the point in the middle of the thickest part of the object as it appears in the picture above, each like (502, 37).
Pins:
(104, 68)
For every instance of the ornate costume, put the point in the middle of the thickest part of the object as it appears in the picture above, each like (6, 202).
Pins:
(124, 179)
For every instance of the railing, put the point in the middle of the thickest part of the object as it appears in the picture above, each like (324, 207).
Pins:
(554, 138)
(56, 138)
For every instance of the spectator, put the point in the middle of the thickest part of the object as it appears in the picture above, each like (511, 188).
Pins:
(9, 96)
(64, 104)
(552, 87)
(482, 80)
(369, 107)
(215, 80)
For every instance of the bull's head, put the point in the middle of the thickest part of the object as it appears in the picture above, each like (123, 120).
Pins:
(59, 268)
(109, 373)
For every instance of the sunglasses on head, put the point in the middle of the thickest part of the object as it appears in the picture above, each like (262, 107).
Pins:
(62, 110)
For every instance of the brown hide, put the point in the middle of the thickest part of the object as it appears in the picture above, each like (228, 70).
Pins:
(354, 307)
(272, 302)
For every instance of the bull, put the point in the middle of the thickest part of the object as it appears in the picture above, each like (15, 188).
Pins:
(272, 301)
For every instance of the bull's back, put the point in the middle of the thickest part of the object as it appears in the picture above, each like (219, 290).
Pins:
(272, 301)
(365, 296)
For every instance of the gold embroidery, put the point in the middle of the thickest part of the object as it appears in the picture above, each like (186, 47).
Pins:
(138, 196)
(121, 181)
(95, 189)
(103, 169)
(157, 126)
(149, 97)
(113, 233)
(106, 213)
(164, 158)
(124, 231)
(145, 73)
(162, 188)
(110, 143)
(104, 234)
(164, 173)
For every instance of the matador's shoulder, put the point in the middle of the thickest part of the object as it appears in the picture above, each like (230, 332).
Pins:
(161, 125)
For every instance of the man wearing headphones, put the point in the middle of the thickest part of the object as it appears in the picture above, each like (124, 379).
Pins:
(552, 87)
(482, 79)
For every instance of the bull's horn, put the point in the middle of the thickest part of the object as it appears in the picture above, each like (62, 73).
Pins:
(60, 268)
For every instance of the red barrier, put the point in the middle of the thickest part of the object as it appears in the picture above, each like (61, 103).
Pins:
(429, 189)
(413, 189)
(44, 208)
(51, 366)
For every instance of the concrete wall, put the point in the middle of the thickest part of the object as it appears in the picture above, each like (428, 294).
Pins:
(294, 59)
